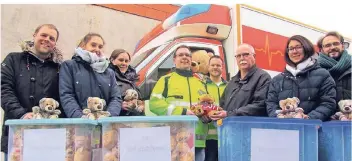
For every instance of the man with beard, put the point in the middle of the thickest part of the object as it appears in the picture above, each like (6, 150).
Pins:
(246, 92)
(215, 85)
(29, 76)
(337, 61)
(176, 92)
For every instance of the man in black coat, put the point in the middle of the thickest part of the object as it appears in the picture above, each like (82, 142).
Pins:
(337, 61)
(28, 76)
(245, 94)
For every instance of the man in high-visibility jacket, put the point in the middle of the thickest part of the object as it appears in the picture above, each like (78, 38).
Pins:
(215, 85)
(175, 92)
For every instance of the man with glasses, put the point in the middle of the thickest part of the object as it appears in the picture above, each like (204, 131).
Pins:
(245, 94)
(176, 92)
(337, 61)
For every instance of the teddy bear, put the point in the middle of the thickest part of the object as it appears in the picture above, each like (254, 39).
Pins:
(205, 107)
(94, 109)
(131, 95)
(200, 63)
(17, 143)
(47, 109)
(182, 143)
(110, 139)
(82, 154)
(69, 154)
(345, 113)
(70, 143)
(112, 155)
(289, 109)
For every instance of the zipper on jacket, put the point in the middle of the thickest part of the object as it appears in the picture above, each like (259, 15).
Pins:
(218, 93)
(189, 92)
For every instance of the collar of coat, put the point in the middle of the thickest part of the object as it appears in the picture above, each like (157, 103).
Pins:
(55, 56)
(185, 73)
(208, 80)
(237, 77)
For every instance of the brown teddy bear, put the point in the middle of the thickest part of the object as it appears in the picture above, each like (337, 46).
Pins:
(200, 63)
(345, 113)
(205, 108)
(70, 136)
(131, 95)
(112, 155)
(289, 109)
(82, 154)
(94, 109)
(182, 143)
(110, 139)
(47, 109)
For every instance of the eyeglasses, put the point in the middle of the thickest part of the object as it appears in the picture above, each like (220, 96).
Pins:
(332, 44)
(183, 54)
(297, 48)
(245, 55)
(123, 60)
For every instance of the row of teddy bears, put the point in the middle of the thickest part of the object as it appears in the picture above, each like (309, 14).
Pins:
(47, 108)
(200, 59)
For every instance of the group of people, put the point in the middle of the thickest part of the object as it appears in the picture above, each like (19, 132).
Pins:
(318, 80)
(39, 72)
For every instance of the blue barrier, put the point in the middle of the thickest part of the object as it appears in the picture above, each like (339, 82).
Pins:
(335, 141)
(268, 139)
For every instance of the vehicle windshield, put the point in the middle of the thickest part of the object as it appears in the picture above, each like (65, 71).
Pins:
(138, 61)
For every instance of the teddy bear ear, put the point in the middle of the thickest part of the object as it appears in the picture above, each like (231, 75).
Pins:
(57, 103)
(282, 103)
(341, 103)
(296, 99)
(89, 99)
(41, 102)
(104, 103)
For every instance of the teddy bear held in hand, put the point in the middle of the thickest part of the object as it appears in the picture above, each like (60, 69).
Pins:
(46, 109)
(95, 108)
(205, 108)
(290, 109)
(345, 113)
(136, 105)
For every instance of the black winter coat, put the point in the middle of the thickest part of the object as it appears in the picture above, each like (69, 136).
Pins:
(343, 85)
(314, 87)
(127, 81)
(78, 81)
(246, 97)
(24, 81)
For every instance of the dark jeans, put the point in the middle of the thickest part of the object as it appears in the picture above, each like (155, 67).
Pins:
(211, 150)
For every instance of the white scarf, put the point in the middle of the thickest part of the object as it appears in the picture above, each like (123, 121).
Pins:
(301, 66)
(99, 64)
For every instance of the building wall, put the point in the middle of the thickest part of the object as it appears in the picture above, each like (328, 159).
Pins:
(121, 25)
(119, 29)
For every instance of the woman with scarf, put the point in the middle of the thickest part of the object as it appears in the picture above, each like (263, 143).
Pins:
(305, 79)
(88, 75)
(126, 78)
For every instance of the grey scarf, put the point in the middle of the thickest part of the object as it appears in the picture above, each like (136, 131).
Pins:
(99, 64)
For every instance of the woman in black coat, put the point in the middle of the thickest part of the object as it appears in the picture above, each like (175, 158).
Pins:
(126, 78)
(305, 79)
(88, 75)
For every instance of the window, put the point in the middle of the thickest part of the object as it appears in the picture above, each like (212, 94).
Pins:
(139, 61)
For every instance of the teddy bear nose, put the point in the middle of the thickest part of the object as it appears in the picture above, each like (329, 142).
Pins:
(287, 107)
(50, 108)
(193, 64)
(347, 108)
